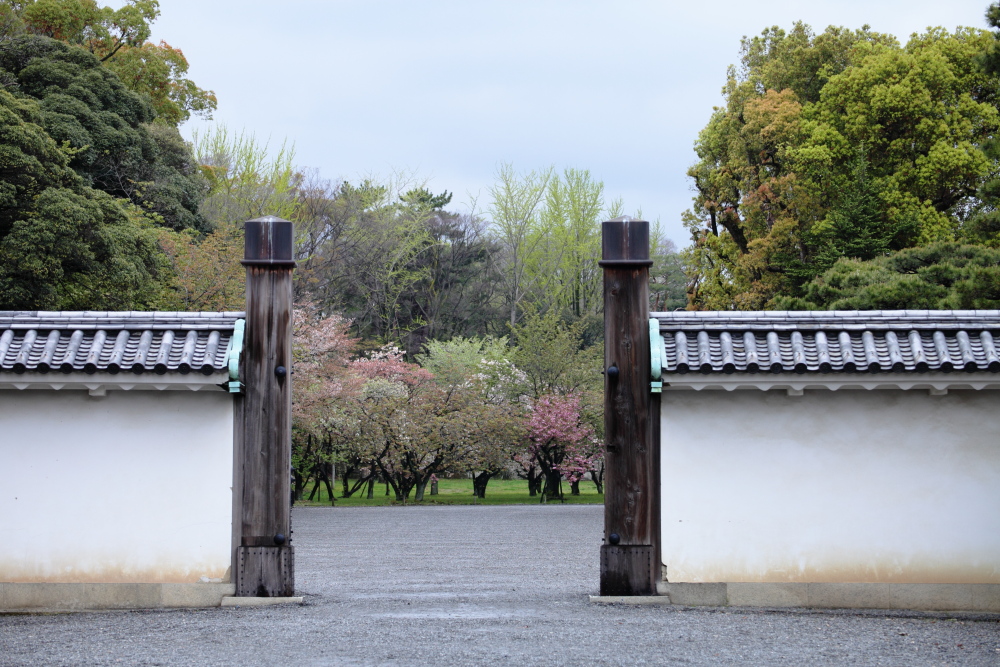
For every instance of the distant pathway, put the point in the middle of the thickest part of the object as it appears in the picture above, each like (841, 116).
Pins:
(448, 586)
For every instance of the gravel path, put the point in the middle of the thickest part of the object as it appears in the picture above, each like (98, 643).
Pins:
(449, 586)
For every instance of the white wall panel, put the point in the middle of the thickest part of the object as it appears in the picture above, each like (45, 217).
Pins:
(130, 487)
(845, 486)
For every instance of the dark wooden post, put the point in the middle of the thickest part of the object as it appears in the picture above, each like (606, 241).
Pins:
(266, 557)
(630, 554)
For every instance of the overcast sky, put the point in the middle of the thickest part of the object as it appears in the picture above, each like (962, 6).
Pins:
(450, 89)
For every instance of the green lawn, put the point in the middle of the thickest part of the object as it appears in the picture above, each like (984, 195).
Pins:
(455, 492)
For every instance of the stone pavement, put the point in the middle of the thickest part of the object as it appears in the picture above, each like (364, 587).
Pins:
(450, 586)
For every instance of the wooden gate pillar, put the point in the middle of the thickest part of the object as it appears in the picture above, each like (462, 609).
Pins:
(630, 558)
(265, 565)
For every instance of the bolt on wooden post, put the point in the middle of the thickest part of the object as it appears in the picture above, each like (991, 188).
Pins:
(266, 556)
(630, 553)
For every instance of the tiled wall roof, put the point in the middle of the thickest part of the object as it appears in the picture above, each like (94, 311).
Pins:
(830, 341)
(159, 342)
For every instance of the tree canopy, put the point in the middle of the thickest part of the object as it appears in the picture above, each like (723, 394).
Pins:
(842, 144)
(118, 38)
(107, 129)
(91, 163)
(945, 275)
(64, 245)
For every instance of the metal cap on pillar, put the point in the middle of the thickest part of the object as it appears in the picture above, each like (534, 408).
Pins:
(625, 242)
(270, 241)
(630, 554)
(264, 554)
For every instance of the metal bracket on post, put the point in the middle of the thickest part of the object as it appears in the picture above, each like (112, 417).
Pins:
(656, 349)
(233, 357)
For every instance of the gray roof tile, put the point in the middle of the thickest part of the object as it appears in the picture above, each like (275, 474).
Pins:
(830, 341)
(111, 342)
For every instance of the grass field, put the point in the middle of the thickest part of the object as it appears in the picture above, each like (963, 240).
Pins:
(455, 492)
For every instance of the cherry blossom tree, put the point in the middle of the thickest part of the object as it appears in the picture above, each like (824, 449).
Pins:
(320, 353)
(560, 442)
(491, 388)
(409, 426)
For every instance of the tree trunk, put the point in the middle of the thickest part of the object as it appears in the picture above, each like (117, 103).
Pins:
(537, 485)
(479, 483)
(597, 476)
(402, 488)
(371, 487)
(346, 492)
(359, 483)
(329, 486)
(532, 483)
(552, 489)
(574, 488)
(420, 491)
(300, 484)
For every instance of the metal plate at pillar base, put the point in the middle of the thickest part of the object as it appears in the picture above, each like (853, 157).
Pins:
(266, 572)
(627, 570)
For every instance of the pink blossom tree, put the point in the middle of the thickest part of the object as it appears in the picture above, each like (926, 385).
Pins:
(408, 425)
(559, 441)
(320, 351)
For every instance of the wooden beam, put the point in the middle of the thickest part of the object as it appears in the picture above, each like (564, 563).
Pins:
(630, 554)
(266, 556)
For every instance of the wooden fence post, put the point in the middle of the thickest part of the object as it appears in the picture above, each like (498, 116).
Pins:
(630, 554)
(266, 556)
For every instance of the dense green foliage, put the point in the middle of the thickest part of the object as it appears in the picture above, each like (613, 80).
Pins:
(107, 129)
(64, 245)
(118, 38)
(944, 275)
(92, 168)
(840, 145)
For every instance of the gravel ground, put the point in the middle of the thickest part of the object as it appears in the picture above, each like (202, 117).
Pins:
(451, 586)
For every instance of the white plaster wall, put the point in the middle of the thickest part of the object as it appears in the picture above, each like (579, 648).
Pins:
(131, 487)
(845, 486)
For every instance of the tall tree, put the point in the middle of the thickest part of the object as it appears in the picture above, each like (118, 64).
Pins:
(396, 236)
(456, 294)
(552, 356)
(64, 245)
(983, 224)
(667, 282)
(321, 351)
(495, 429)
(107, 129)
(118, 38)
(561, 442)
(245, 181)
(832, 145)
(515, 208)
(571, 229)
